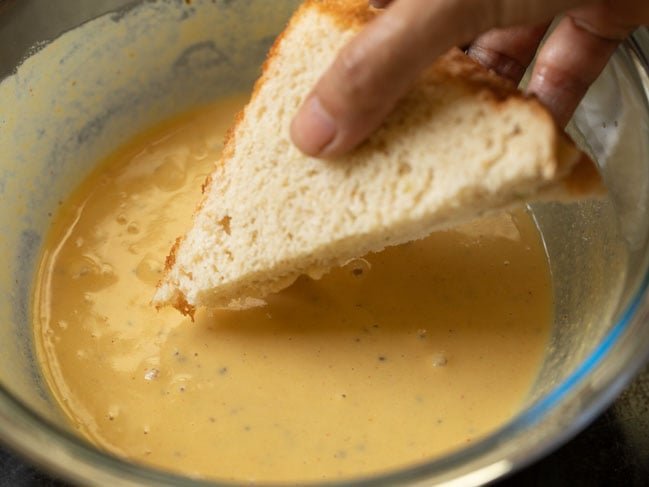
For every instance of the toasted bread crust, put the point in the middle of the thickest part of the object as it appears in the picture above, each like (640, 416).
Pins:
(180, 302)
(171, 258)
(347, 14)
(583, 178)
(184, 307)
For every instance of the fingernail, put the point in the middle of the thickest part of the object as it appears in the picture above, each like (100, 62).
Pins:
(313, 128)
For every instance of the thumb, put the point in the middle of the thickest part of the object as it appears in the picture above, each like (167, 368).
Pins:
(374, 70)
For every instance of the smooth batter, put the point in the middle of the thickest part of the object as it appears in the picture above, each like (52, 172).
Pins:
(386, 362)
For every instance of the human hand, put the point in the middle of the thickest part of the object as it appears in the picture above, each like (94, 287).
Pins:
(374, 70)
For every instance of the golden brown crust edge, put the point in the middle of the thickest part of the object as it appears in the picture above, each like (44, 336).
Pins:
(583, 178)
(347, 14)
(180, 303)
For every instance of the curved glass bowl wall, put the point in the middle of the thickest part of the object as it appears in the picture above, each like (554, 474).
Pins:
(172, 55)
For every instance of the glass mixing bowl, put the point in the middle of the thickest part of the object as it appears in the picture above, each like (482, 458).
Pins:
(74, 88)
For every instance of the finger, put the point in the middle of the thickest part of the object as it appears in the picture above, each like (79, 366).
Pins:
(571, 59)
(508, 51)
(373, 71)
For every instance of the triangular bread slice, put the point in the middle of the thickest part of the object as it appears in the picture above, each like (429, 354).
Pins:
(463, 142)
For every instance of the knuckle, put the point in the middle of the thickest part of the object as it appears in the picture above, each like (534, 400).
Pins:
(555, 79)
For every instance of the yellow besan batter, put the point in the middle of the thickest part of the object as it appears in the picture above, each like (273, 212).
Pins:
(389, 361)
